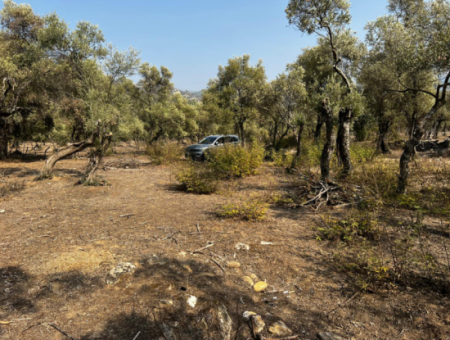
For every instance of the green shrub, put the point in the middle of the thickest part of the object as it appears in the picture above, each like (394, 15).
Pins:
(362, 153)
(282, 159)
(347, 229)
(234, 161)
(165, 152)
(248, 211)
(198, 179)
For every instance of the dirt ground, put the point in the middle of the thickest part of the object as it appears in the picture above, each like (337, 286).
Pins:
(58, 240)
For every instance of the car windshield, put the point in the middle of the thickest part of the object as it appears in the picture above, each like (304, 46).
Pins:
(208, 140)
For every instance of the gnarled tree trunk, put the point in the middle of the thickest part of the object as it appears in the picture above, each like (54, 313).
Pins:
(318, 129)
(383, 129)
(343, 139)
(408, 153)
(299, 146)
(330, 141)
(96, 158)
(47, 170)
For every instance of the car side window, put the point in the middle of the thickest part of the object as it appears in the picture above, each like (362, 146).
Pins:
(234, 140)
(221, 140)
(228, 140)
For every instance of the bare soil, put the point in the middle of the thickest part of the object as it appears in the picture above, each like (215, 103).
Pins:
(58, 240)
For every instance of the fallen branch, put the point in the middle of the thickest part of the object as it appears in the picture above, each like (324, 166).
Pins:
(62, 332)
(345, 302)
(218, 264)
(199, 250)
(127, 215)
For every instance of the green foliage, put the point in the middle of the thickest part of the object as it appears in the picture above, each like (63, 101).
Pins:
(350, 228)
(234, 161)
(198, 179)
(362, 153)
(165, 152)
(253, 210)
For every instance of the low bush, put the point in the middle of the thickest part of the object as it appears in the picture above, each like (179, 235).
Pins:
(165, 152)
(347, 229)
(198, 179)
(248, 211)
(234, 161)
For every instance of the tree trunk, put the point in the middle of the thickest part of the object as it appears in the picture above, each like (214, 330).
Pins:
(383, 129)
(409, 150)
(437, 128)
(318, 130)
(299, 146)
(96, 158)
(3, 143)
(343, 139)
(408, 153)
(444, 131)
(241, 132)
(47, 170)
(328, 148)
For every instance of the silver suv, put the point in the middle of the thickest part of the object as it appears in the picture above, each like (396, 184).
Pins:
(197, 151)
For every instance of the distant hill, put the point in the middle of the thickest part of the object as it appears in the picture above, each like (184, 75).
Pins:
(196, 95)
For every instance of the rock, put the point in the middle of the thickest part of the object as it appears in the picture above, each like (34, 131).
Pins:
(242, 246)
(168, 332)
(280, 329)
(122, 268)
(257, 325)
(233, 264)
(254, 277)
(166, 303)
(192, 301)
(248, 280)
(264, 243)
(225, 323)
(260, 286)
(328, 336)
(247, 315)
(2, 211)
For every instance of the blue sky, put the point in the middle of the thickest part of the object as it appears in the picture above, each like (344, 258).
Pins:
(193, 37)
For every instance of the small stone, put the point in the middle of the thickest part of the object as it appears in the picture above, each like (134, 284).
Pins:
(122, 268)
(254, 277)
(247, 315)
(248, 280)
(328, 336)
(242, 246)
(264, 243)
(225, 323)
(233, 264)
(166, 303)
(257, 324)
(192, 301)
(168, 332)
(280, 329)
(2, 211)
(260, 286)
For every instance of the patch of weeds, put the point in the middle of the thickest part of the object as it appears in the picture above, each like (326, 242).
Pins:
(350, 228)
(281, 199)
(9, 188)
(254, 210)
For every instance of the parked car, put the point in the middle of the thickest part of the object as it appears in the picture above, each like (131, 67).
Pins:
(197, 151)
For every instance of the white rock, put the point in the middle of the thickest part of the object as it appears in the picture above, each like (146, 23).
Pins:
(242, 246)
(192, 301)
(119, 270)
(264, 243)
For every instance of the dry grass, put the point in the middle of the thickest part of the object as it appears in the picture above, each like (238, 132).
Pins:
(58, 240)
